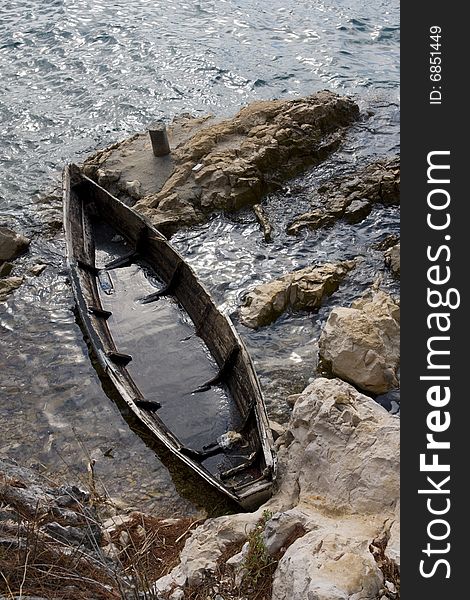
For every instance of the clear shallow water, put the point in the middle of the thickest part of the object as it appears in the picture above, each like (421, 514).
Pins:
(77, 75)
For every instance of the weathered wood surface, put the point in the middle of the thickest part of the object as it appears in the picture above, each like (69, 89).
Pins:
(84, 200)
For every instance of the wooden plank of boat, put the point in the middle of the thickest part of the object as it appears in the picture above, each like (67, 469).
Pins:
(172, 356)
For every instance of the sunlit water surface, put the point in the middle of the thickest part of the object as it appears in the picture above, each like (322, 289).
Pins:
(77, 75)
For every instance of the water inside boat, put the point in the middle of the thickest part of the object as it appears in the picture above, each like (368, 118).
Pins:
(169, 360)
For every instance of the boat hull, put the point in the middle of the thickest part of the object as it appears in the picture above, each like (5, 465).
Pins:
(170, 354)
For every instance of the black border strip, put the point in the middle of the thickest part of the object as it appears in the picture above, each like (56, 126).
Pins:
(426, 128)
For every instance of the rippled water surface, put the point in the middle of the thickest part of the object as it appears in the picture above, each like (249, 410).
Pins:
(76, 75)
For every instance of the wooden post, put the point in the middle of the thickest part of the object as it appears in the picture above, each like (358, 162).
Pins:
(159, 139)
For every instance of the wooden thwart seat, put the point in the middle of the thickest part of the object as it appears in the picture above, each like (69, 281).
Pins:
(223, 373)
(132, 256)
(119, 358)
(99, 312)
(167, 289)
(239, 468)
(86, 266)
(122, 261)
(149, 405)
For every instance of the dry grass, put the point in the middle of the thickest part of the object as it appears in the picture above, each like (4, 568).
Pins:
(388, 566)
(149, 547)
(145, 548)
(34, 564)
(122, 564)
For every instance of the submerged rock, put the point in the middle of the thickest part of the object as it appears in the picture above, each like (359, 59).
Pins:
(312, 220)
(37, 269)
(8, 285)
(392, 259)
(357, 211)
(300, 290)
(378, 183)
(12, 244)
(5, 269)
(361, 344)
(389, 241)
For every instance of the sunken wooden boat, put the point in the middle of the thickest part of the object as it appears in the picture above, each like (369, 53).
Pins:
(171, 355)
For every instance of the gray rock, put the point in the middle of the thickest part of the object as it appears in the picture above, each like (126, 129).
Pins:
(276, 428)
(379, 182)
(71, 495)
(392, 259)
(36, 270)
(110, 551)
(357, 211)
(361, 344)
(12, 244)
(338, 485)
(292, 399)
(124, 539)
(390, 401)
(393, 546)
(68, 535)
(238, 559)
(204, 548)
(108, 176)
(22, 597)
(353, 199)
(9, 543)
(5, 269)
(69, 517)
(243, 157)
(388, 241)
(132, 188)
(34, 508)
(111, 524)
(8, 285)
(314, 219)
(7, 514)
(326, 565)
(344, 457)
(342, 470)
(281, 527)
(300, 290)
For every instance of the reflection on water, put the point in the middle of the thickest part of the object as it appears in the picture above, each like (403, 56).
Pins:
(79, 75)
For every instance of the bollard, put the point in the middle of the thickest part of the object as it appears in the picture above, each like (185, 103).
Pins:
(159, 139)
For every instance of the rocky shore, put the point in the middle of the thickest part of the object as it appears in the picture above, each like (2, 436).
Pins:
(224, 165)
(353, 199)
(331, 529)
(301, 290)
